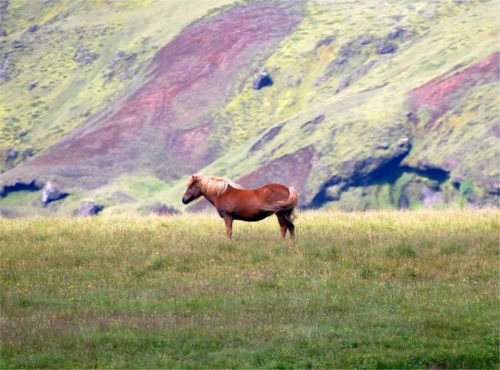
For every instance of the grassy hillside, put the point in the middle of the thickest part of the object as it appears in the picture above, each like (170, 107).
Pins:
(366, 99)
(378, 289)
(372, 105)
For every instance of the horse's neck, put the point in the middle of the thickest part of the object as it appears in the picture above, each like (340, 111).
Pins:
(210, 198)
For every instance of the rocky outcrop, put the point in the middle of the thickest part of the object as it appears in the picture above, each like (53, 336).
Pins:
(11, 157)
(4, 6)
(121, 66)
(51, 193)
(15, 186)
(84, 56)
(308, 126)
(387, 48)
(268, 136)
(325, 41)
(356, 57)
(262, 80)
(6, 213)
(33, 28)
(89, 208)
(161, 209)
(5, 68)
(362, 173)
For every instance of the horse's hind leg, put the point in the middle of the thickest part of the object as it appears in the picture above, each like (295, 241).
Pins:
(287, 215)
(285, 220)
(283, 224)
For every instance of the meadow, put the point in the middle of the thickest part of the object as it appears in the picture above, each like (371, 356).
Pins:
(385, 289)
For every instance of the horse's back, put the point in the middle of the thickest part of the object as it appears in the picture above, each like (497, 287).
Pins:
(275, 192)
(265, 194)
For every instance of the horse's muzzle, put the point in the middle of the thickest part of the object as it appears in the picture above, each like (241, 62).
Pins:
(185, 200)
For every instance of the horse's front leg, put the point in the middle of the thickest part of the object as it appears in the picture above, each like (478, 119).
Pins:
(228, 220)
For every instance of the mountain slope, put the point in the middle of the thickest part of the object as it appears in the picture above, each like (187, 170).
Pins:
(371, 105)
(357, 113)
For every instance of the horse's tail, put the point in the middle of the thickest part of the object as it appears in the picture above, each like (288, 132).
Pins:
(287, 204)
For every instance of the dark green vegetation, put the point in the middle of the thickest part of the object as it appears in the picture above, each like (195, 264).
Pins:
(384, 289)
(372, 105)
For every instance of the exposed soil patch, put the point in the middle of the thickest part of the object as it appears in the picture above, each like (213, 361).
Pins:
(291, 170)
(191, 146)
(437, 95)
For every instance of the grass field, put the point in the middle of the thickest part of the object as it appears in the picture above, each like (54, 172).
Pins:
(366, 290)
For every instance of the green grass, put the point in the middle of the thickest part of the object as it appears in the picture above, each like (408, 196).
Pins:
(369, 290)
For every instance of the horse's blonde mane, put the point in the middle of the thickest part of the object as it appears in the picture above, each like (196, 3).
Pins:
(212, 185)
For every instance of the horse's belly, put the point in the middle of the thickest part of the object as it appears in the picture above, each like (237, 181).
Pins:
(251, 218)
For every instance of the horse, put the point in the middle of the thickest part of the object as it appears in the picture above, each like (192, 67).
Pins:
(236, 203)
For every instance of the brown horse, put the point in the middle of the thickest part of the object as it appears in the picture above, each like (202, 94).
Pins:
(235, 203)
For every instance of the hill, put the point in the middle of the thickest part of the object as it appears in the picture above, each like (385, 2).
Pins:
(357, 104)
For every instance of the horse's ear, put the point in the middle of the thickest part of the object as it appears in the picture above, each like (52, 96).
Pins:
(194, 178)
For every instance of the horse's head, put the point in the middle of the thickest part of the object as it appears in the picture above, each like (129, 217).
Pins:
(193, 191)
